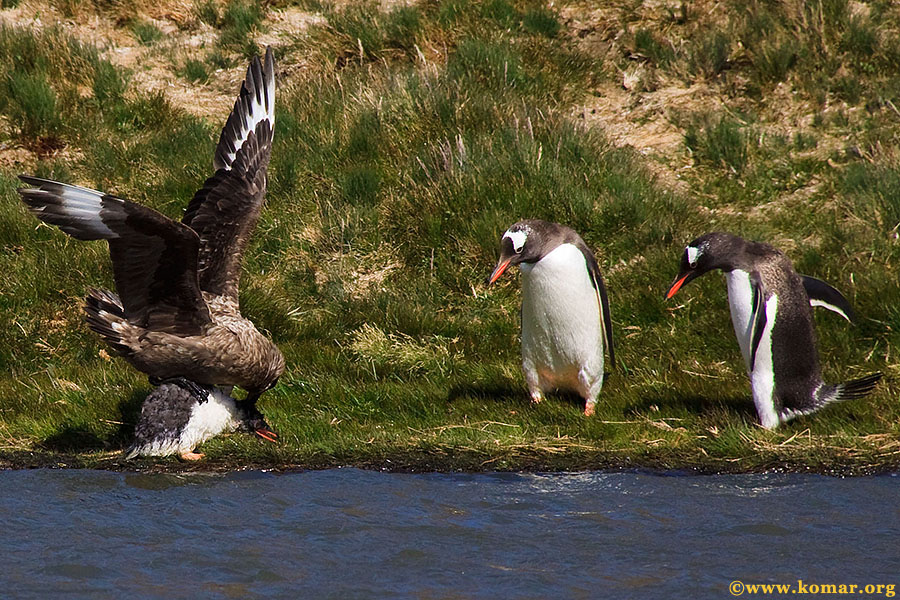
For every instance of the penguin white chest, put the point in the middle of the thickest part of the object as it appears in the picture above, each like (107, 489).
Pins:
(761, 372)
(762, 376)
(208, 419)
(740, 300)
(561, 321)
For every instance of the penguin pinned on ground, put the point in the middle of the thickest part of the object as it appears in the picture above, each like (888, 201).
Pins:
(180, 414)
(771, 310)
(565, 310)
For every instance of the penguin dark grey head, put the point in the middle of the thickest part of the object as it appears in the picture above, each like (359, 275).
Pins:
(708, 252)
(526, 241)
(253, 421)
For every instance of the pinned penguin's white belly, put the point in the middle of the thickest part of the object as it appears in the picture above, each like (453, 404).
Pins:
(740, 300)
(219, 414)
(561, 326)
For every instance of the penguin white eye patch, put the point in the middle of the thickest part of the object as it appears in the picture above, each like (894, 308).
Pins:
(693, 254)
(517, 238)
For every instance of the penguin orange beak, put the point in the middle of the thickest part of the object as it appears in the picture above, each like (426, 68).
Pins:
(266, 434)
(680, 281)
(257, 421)
(501, 267)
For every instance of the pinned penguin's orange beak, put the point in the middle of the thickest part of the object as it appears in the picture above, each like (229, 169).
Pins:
(266, 434)
(498, 271)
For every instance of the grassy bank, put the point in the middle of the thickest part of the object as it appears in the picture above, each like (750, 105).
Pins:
(408, 137)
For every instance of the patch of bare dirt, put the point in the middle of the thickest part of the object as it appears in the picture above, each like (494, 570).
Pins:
(637, 109)
(22, 159)
(644, 121)
(284, 25)
(16, 158)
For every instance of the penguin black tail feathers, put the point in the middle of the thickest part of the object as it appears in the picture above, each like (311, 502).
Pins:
(849, 390)
(828, 394)
(855, 388)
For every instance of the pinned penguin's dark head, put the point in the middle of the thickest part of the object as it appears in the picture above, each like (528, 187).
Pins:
(254, 422)
(707, 252)
(521, 243)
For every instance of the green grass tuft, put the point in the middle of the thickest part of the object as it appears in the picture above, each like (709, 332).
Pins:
(647, 45)
(240, 19)
(878, 187)
(860, 38)
(31, 105)
(367, 33)
(110, 83)
(146, 33)
(721, 141)
(541, 21)
(194, 70)
(710, 56)
(208, 12)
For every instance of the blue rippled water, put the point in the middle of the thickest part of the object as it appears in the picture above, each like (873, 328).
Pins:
(347, 533)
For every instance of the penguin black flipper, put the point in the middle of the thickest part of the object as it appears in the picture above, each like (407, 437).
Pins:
(822, 294)
(602, 298)
(758, 314)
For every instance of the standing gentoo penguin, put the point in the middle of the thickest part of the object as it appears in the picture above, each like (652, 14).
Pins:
(565, 311)
(176, 314)
(772, 317)
(179, 415)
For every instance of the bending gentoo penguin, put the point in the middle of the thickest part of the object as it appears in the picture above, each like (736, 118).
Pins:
(176, 314)
(565, 311)
(772, 317)
(180, 415)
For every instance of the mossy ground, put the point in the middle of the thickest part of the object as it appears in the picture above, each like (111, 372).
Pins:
(408, 137)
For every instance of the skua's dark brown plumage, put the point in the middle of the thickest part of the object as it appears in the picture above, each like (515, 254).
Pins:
(176, 312)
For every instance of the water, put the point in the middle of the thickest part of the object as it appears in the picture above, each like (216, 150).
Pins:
(347, 533)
